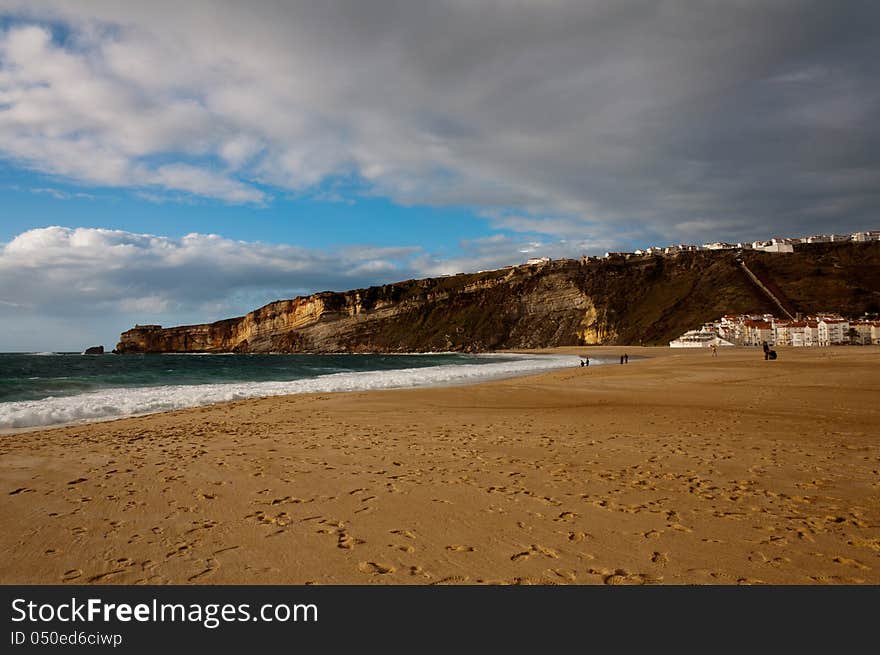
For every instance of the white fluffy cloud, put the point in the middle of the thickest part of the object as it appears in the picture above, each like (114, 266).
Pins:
(595, 114)
(62, 287)
(65, 111)
(63, 271)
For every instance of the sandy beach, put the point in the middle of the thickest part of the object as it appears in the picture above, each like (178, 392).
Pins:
(679, 468)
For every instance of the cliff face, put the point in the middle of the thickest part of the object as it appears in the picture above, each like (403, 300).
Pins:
(647, 300)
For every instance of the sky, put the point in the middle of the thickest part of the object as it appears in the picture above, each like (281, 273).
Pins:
(178, 163)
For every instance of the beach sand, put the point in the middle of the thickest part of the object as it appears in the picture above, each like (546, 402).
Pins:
(676, 469)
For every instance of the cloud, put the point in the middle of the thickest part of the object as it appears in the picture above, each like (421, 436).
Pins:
(58, 194)
(99, 282)
(603, 116)
(64, 112)
(68, 272)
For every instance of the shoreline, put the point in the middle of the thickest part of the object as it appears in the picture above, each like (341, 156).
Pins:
(464, 381)
(641, 353)
(685, 469)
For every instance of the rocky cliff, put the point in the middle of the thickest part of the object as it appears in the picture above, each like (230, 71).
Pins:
(635, 300)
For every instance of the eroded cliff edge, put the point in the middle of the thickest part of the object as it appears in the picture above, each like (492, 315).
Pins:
(640, 300)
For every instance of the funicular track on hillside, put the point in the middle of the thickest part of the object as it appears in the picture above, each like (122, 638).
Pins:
(762, 287)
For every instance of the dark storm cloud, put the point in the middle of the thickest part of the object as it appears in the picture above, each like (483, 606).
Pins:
(746, 118)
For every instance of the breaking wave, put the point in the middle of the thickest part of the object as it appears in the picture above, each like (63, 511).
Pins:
(120, 402)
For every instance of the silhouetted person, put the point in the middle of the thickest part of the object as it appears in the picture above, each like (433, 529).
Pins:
(766, 350)
(625, 358)
(621, 359)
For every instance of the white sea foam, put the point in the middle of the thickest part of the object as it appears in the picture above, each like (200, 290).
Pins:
(114, 403)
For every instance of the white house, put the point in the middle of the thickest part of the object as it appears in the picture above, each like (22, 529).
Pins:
(833, 331)
(782, 333)
(703, 338)
(778, 247)
(757, 332)
(803, 333)
(796, 333)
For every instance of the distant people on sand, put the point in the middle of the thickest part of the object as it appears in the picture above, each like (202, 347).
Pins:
(621, 359)
(714, 350)
(769, 353)
(625, 358)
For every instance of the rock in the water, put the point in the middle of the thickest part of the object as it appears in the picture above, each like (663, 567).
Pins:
(94, 350)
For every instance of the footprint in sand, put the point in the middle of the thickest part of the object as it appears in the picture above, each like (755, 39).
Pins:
(534, 549)
(418, 570)
(20, 490)
(375, 568)
(452, 579)
(872, 544)
(457, 548)
(568, 576)
(72, 574)
(623, 577)
(659, 558)
(346, 541)
(212, 566)
(849, 562)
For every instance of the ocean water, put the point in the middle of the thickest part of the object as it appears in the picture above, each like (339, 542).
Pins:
(43, 389)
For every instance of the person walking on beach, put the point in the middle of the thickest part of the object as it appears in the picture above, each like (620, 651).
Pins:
(625, 358)
(714, 350)
(621, 359)
(766, 350)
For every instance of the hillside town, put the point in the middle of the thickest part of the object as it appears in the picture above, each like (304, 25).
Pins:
(825, 329)
(776, 244)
